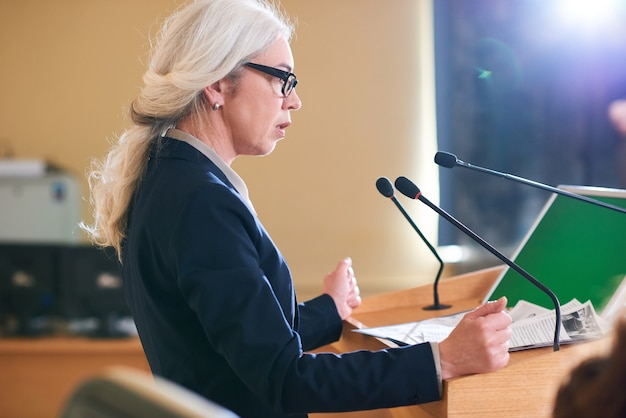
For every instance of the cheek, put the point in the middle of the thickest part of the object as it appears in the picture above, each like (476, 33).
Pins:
(256, 125)
(254, 133)
(252, 118)
(261, 121)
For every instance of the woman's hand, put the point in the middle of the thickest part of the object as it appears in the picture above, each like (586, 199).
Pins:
(341, 285)
(479, 343)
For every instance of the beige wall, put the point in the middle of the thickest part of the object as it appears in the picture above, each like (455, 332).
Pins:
(69, 68)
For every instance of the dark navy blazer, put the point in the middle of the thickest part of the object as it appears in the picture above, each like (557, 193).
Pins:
(215, 308)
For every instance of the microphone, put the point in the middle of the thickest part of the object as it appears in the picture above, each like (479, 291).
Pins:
(410, 190)
(386, 189)
(448, 160)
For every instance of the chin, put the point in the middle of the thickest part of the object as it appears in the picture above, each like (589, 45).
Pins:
(270, 147)
(269, 151)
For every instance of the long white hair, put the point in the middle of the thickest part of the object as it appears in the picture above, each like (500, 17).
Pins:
(197, 46)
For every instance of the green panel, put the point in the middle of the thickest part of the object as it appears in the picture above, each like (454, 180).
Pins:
(576, 249)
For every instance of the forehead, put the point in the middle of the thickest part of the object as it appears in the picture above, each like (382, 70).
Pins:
(277, 55)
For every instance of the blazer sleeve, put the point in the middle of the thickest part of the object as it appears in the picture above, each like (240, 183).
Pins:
(320, 323)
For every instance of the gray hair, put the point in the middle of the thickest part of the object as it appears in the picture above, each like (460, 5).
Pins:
(199, 45)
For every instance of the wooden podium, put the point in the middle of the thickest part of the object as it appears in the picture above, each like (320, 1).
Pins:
(525, 388)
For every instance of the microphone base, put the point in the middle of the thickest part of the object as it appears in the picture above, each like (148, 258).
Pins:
(437, 307)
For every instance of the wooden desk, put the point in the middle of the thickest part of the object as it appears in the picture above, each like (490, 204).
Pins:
(38, 375)
(525, 388)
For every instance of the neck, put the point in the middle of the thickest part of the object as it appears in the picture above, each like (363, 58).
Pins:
(211, 137)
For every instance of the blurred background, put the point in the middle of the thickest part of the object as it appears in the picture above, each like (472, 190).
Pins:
(524, 87)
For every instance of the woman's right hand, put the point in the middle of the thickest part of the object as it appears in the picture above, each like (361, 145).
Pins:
(479, 343)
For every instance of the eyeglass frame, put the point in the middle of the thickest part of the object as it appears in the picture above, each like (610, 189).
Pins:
(285, 76)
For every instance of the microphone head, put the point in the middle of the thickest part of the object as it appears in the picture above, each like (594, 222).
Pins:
(407, 187)
(383, 184)
(445, 159)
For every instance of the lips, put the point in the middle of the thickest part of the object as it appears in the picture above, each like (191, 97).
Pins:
(281, 127)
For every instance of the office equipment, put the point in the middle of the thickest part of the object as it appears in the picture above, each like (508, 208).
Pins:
(91, 292)
(66, 289)
(28, 292)
(25, 167)
(39, 209)
(574, 248)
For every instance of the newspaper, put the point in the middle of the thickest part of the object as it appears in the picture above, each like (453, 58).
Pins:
(533, 326)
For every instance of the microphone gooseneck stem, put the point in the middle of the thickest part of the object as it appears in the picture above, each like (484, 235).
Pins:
(436, 305)
(384, 186)
(541, 186)
(514, 266)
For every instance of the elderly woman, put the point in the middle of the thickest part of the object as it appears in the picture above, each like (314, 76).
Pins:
(211, 295)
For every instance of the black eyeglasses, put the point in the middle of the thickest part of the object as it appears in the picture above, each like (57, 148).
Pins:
(289, 79)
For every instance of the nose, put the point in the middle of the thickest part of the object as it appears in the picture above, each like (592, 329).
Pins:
(293, 102)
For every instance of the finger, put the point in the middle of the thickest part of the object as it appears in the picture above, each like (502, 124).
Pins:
(489, 308)
(350, 272)
(354, 302)
(503, 337)
(352, 282)
(502, 359)
(354, 292)
(347, 262)
(498, 354)
(342, 268)
(501, 320)
(499, 336)
(495, 321)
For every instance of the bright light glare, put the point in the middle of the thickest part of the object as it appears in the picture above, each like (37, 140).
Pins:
(590, 13)
(451, 253)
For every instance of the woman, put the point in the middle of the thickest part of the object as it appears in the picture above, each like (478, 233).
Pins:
(210, 293)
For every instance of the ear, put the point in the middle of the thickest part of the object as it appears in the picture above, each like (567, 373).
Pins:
(214, 93)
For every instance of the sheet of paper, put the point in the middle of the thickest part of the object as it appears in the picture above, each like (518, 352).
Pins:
(533, 326)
